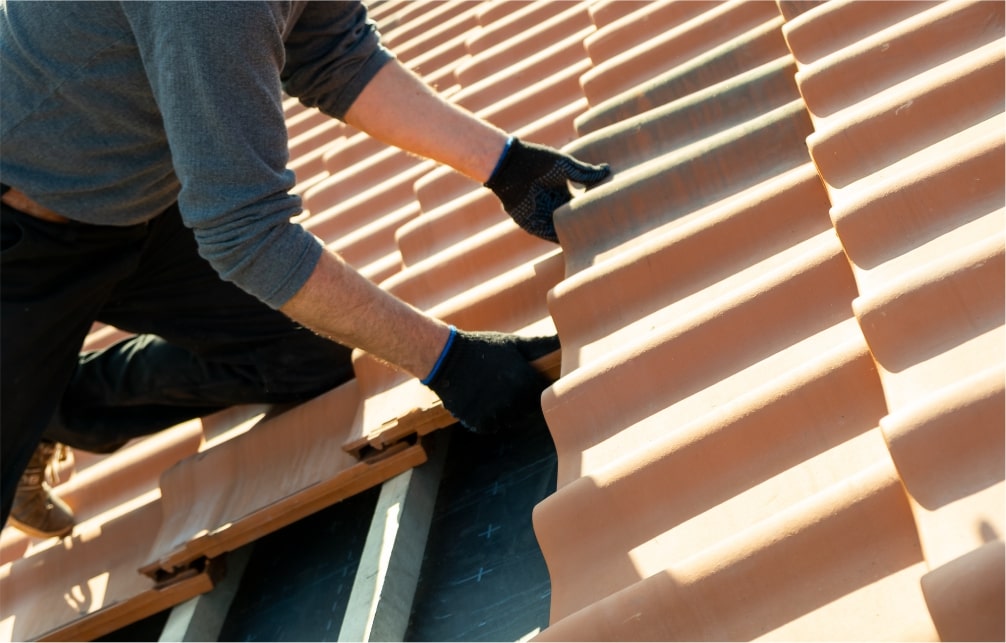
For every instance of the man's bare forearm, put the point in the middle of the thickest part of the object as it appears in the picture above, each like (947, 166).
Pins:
(341, 304)
(398, 108)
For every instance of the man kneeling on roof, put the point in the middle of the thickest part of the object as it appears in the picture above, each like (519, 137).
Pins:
(145, 186)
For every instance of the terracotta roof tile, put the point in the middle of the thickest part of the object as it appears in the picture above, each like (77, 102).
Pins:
(212, 506)
(414, 26)
(687, 31)
(552, 29)
(930, 272)
(746, 51)
(500, 28)
(86, 585)
(841, 562)
(658, 436)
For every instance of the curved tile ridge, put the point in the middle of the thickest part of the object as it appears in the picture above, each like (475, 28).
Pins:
(300, 119)
(909, 122)
(751, 231)
(743, 52)
(694, 483)
(310, 133)
(727, 457)
(89, 586)
(840, 23)
(894, 52)
(531, 68)
(552, 28)
(440, 228)
(961, 422)
(695, 116)
(538, 101)
(720, 23)
(373, 247)
(687, 360)
(865, 138)
(308, 149)
(440, 23)
(836, 564)
(622, 25)
(668, 187)
(947, 303)
(386, 10)
(604, 12)
(879, 224)
(361, 226)
(499, 28)
(435, 55)
(107, 485)
(409, 22)
(966, 595)
(483, 255)
(348, 179)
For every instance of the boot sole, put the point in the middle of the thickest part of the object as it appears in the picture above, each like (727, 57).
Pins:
(31, 531)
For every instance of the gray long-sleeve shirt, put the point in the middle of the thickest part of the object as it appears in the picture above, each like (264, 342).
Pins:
(110, 112)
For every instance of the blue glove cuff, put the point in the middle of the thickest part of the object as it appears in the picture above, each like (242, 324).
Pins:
(499, 161)
(440, 360)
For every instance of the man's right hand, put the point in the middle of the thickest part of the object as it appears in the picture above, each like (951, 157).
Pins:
(486, 381)
(533, 180)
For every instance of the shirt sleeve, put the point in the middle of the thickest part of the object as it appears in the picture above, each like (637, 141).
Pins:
(333, 51)
(214, 70)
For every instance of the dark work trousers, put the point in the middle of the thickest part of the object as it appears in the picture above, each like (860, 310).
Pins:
(202, 344)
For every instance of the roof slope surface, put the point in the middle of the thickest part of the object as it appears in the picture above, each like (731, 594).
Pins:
(779, 411)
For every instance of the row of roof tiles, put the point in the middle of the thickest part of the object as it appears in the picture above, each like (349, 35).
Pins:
(757, 393)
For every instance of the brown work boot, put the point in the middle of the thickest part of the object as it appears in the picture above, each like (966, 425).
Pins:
(37, 511)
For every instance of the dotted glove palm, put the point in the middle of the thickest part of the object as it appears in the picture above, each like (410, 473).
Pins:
(486, 381)
(532, 181)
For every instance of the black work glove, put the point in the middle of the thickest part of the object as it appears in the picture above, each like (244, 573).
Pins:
(486, 381)
(531, 182)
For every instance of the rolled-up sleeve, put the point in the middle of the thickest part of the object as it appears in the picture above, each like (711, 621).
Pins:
(332, 52)
(214, 70)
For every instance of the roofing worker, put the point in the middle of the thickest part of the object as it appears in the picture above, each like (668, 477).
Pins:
(143, 165)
